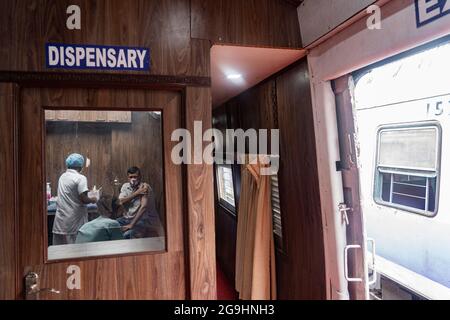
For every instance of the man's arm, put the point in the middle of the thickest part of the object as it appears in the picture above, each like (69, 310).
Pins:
(142, 209)
(142, 190)
(85, 199)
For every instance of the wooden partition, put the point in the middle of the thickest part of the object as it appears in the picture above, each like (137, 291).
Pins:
(7, 191)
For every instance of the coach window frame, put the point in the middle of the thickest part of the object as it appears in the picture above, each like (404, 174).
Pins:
(222, 202)
(377, 191)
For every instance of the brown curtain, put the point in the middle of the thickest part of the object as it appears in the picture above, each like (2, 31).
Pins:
(255, 256)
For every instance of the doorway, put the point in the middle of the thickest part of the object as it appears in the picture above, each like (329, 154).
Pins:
(399, 111)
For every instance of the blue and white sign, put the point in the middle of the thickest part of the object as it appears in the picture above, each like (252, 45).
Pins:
(429, 10)
(73, 56)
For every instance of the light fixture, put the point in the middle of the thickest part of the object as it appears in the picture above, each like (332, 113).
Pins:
(234, 76)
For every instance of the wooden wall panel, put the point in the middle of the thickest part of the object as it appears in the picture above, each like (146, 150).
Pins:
(256, 111)
(176, 237)
(284, 30)
(302, 273)
(118, 278)
(200, 64)
(25, 36)
(93, 141)
(251, 22)
(201, 204)
(161, 25)
(7, 194)
(164, 26)
(5, 33)
(30, 162)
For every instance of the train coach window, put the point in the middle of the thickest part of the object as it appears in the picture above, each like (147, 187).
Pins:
(407, 169)
(225, 188)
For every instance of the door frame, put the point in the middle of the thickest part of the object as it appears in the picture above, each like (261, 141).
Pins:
(189, 88)
(348, 165)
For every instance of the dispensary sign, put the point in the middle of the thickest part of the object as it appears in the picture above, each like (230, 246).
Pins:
(74, 56)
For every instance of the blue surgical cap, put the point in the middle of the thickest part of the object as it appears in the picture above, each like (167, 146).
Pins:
(75, 160)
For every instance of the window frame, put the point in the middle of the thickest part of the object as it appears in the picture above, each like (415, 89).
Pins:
(377, 189)
(113, 248)
(222, 202)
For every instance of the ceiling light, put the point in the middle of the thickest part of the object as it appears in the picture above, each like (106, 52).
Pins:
(234, 76)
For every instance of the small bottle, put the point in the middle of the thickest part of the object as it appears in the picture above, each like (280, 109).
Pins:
(49, 192)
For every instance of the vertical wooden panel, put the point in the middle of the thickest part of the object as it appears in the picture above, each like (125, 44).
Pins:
(7, 193)
(284, 29)
(200, 63)
(92, 140)
(302, 275)
(27, 49)
(161, 25)
(164, 27)
(31, 168)
(203, 25)
(251, 22)
(167, 27)
(245, 22)
(200, 204)
(174, 225)
(6, 36)
(256, 107)
(230, 21)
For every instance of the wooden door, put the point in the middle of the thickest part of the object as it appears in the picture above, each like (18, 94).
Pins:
(146, 275)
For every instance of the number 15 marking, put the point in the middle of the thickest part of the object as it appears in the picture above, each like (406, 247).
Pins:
(437, 109)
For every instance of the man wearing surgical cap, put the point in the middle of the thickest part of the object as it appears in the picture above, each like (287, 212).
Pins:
(71, 209)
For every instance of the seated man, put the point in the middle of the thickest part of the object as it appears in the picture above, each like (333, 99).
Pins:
(103, 228)
(140, 220)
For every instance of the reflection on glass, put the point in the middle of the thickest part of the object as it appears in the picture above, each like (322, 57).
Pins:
(104, 184)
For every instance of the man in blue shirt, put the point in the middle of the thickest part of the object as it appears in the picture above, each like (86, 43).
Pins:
(103, 228)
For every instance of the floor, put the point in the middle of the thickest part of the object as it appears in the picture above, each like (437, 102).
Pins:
(225, 289)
